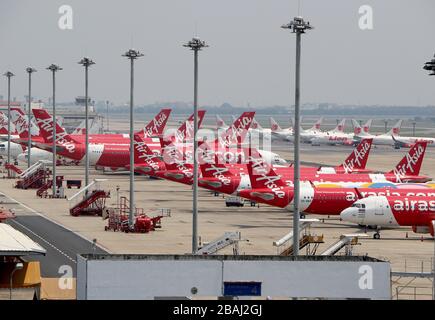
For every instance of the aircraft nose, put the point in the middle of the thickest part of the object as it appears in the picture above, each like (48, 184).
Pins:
(350, 214)
(280, 161)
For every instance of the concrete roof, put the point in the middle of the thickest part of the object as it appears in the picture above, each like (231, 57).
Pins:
(15, 243)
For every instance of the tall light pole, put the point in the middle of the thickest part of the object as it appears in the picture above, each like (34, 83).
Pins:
(385, 124)
(298, 26)
(9, 75)
(29, 70)
(196, 45)
(86, 62)
(132, 55)
(430, 66)
(54, 68)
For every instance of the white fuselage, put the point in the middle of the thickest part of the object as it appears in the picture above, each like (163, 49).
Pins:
(413, 140)
(333, 138)
(16, 149)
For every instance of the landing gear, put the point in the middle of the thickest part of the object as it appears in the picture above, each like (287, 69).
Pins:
(377, 235)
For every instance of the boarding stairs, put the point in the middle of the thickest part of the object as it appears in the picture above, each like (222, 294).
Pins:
(308, 241)
(89, 200)
(13, 168)
(42, 192)
(35, 176)
(227, 239)
(346, 241)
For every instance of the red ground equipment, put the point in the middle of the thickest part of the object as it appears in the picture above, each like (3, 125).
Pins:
(142, 223)
(5, 214)
(42, 192)
(13, 168)
(91, 200)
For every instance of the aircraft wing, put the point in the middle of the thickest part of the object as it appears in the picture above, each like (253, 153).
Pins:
(399, 144)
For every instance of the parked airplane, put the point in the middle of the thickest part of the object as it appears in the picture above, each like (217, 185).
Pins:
(365, 128)
(406, 142)
(102, 152)
(336, 136)
(94, 127)
(154, 128)
(268, 187)
(255, 130)
(382, 139)
(386, 211)
(229, 179)
(4, 125)
(220, 124)
(280, 133)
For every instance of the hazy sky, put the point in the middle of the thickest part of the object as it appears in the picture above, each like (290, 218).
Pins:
(250, 59)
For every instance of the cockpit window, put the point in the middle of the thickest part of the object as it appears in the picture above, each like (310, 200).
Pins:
(359, 205)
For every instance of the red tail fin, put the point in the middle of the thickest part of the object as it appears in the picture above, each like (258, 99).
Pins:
(236, 133)
(68, 147)
(21, 123)
(359, 156)
(214, 169)
(4, 124)
(173, 157)
(185, 131)
(262, 174)
(143, 155)
(156, 126)
(411, 162)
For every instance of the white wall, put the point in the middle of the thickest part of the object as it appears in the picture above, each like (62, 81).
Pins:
(157, 276)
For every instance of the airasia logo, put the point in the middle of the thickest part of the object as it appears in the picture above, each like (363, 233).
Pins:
(173, 156)
(414, 205)
(157, 123)
(235, 131)
(142, 154)
(3, 121)
(411, 161)
(358, 155)
(268, 181)
(61, 137)
(20, 122)
(218, 172)
(185, 133)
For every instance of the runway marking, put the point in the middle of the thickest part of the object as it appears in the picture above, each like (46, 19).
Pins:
(53, 221)
(43, 239)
